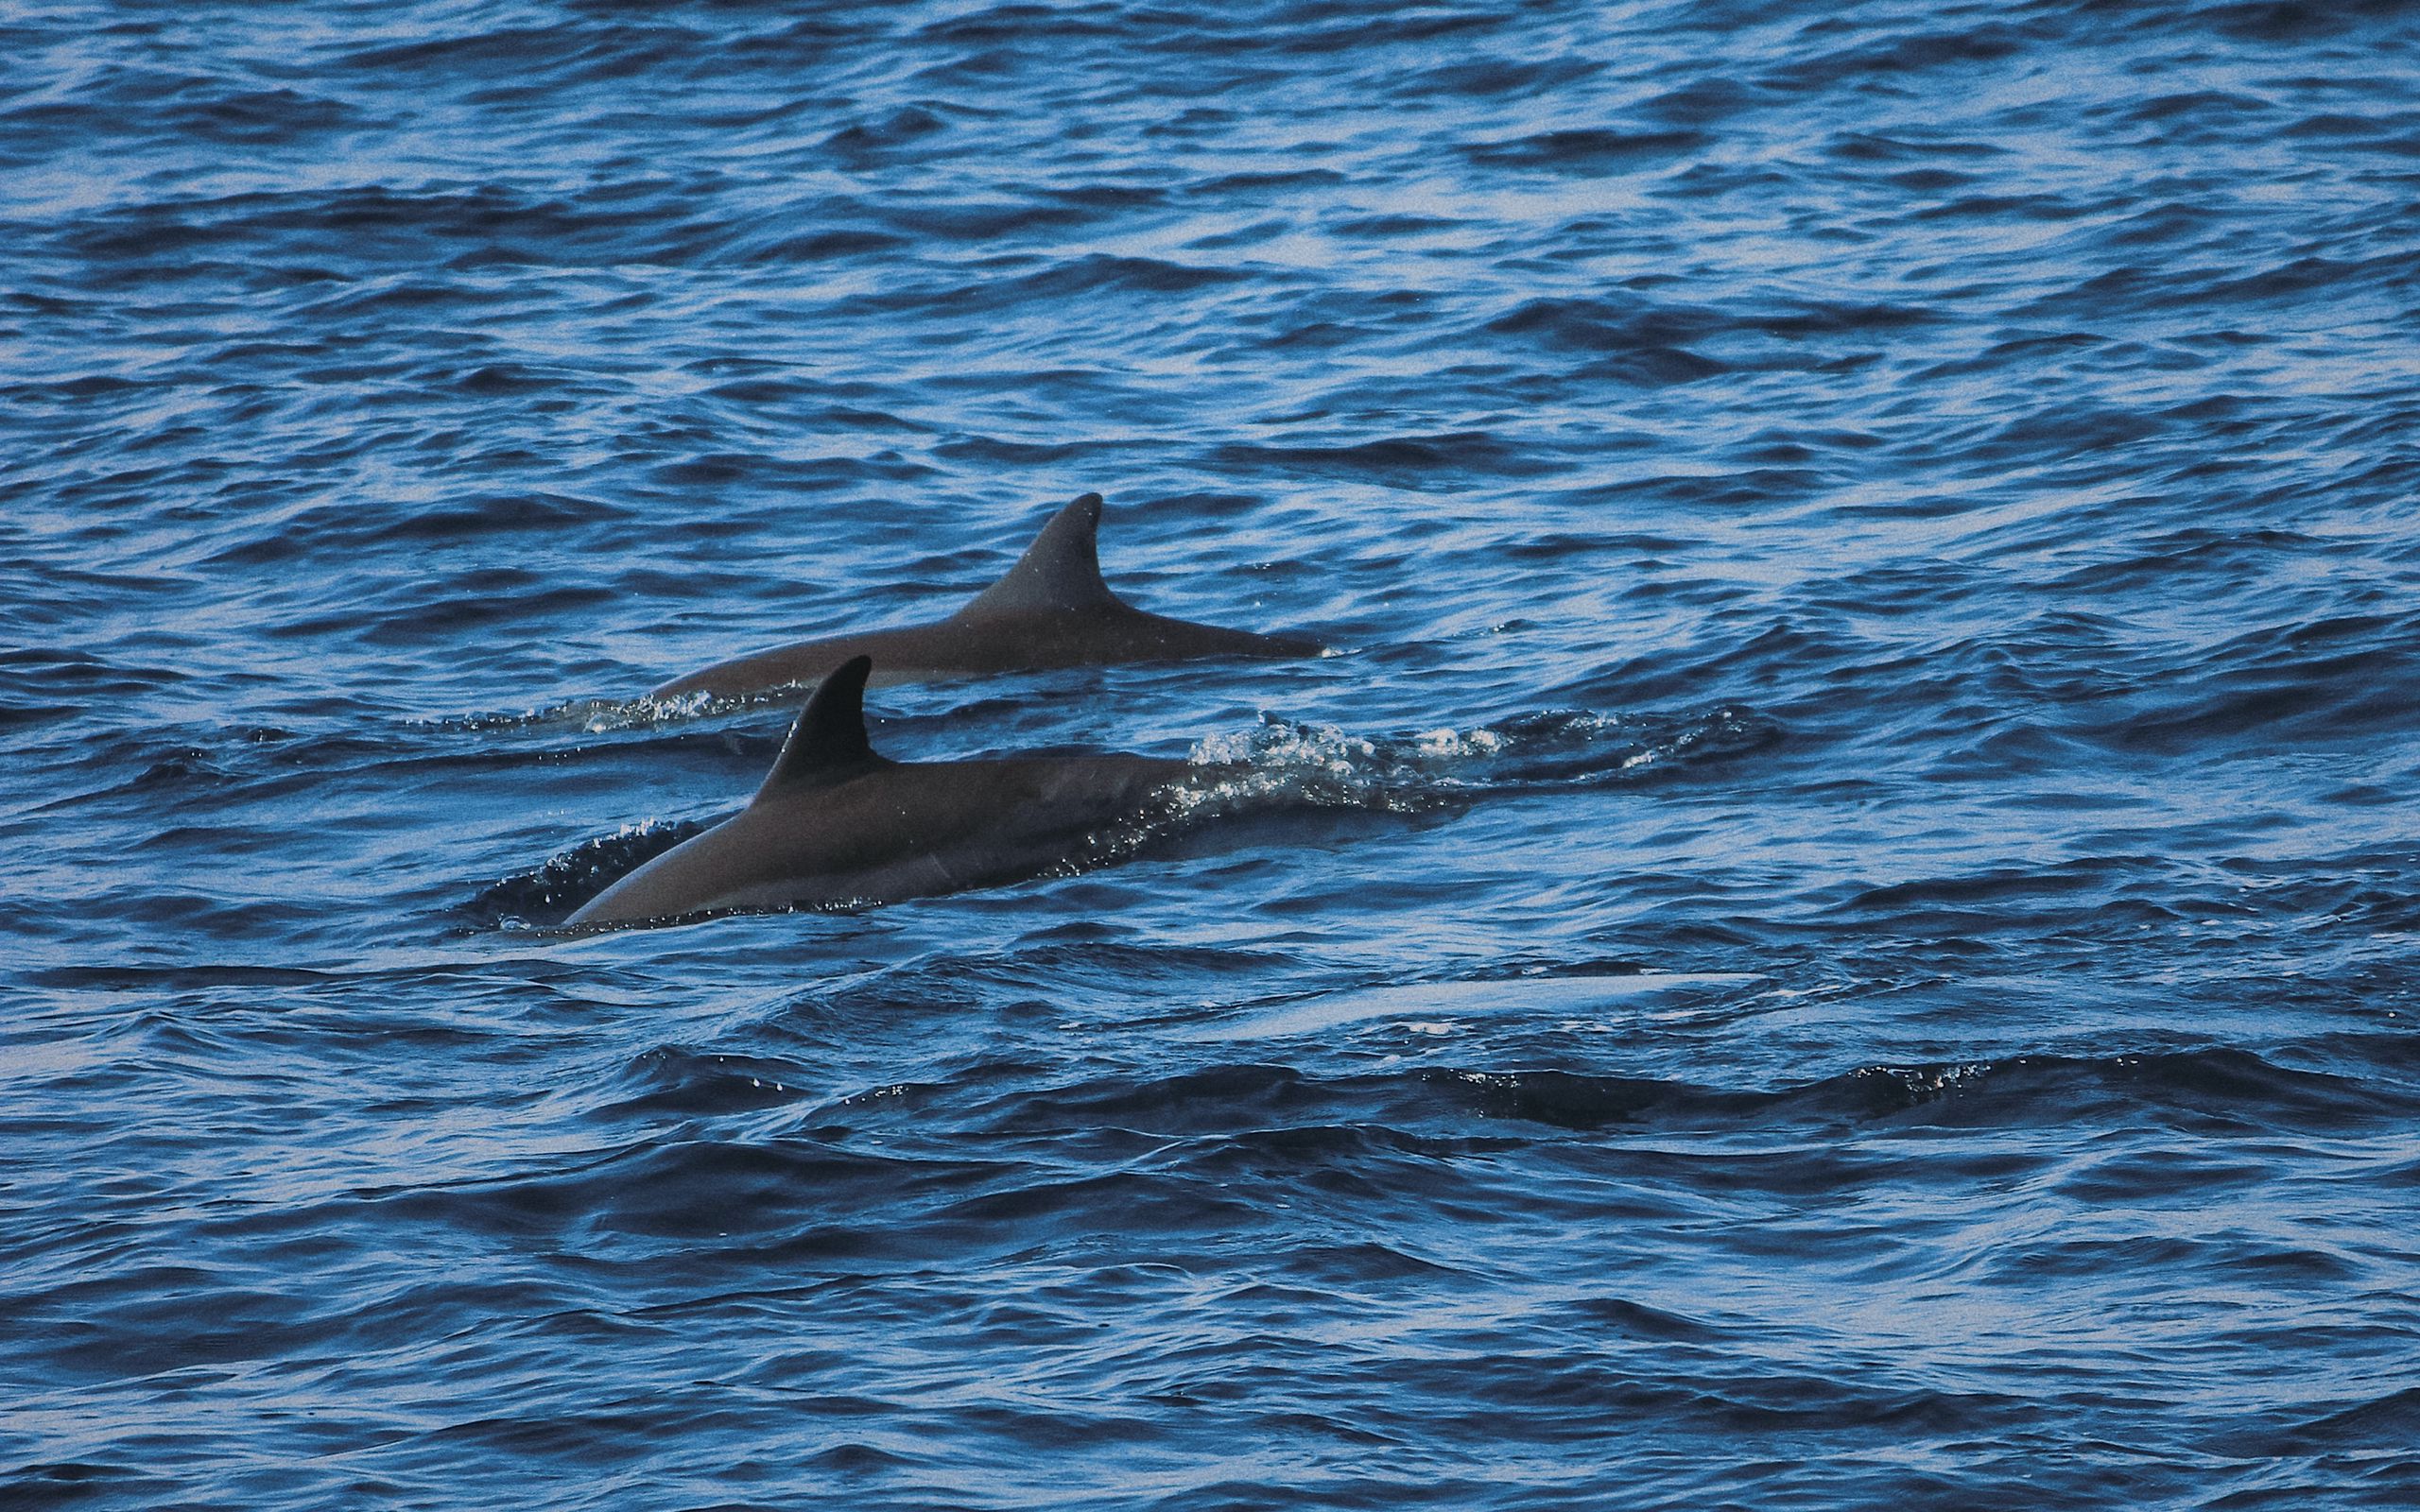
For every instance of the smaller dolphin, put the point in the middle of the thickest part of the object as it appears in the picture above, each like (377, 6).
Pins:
(837, 823)
(1051, 609)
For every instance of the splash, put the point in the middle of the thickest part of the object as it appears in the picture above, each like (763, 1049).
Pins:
(1325, 765)
(593, 717)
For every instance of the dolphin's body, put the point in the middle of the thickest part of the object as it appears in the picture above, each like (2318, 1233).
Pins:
(1051, 609)
(837, 823)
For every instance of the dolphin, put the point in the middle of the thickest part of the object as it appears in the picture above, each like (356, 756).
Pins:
(835, 822)
(1051, 609)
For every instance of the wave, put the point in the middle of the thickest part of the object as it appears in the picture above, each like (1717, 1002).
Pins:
(1258, 1108)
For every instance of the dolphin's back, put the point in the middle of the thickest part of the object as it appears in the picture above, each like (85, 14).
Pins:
(903, 830)
(836, 822)
(1051, 609)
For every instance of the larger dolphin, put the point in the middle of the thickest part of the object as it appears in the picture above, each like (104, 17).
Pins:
(837, 823)
(1051, 609)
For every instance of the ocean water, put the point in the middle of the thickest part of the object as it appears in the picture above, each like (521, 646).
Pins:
(1842, 932)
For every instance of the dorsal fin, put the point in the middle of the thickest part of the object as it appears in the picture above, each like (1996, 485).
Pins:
(828, 743)
(1060, 571)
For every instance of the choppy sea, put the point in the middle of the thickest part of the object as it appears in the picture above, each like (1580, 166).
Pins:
(1847, 936)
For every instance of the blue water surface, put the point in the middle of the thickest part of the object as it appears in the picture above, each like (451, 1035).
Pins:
(1843, 929)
